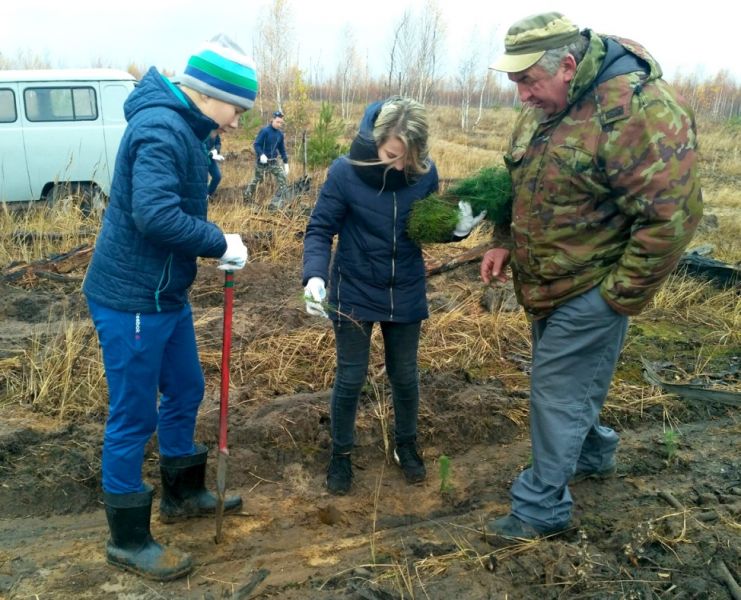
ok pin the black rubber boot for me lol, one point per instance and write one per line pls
(184, 494)
(132, 547)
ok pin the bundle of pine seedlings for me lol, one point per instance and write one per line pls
(434, 218)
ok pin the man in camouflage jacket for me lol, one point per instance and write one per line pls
(606, 197)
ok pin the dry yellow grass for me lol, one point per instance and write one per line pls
(31, 234)
(720, 148)
(60, 372)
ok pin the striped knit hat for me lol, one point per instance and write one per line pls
(221, 70)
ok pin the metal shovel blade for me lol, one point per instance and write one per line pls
(220, 492)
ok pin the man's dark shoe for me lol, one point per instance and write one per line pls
(597, 475)
(512, 527)
(339, 474)
(407, 457)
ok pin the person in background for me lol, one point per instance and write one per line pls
(137, 285)
(378, 273)
(603, 160)
(215, 157)
(268, 145)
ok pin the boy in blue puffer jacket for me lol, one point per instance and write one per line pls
(378, 273)
(269, 144)
(137, 285)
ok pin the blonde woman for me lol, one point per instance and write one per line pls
(377, 275)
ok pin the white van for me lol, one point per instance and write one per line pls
(59, 132)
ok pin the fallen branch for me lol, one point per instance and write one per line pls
(51, 276)
(670, 499)
(436, 267)
(248, 588)
(60, 264)
(715, 271)
(26, 237)
(727, 578)
(690, 390)
(691, 263)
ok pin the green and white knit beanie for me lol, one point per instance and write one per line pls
(220, 69)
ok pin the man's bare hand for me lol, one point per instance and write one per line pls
(493, 265)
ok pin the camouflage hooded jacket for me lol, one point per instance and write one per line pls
(605, 192)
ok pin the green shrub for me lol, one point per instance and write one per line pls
(734, 122)
(324, 146)
(250, 122)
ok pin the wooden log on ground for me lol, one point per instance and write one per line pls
(60, 264)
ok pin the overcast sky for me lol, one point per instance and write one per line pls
(165, 32)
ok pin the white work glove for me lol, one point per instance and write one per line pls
(263, 159)
(314, 295)
(285, 168)
(216, 156)
(235, 256)
(466, 220)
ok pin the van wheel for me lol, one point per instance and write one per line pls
(88, 198)
(94, 201)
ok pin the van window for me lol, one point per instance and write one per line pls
(61, 104)
(7, 106)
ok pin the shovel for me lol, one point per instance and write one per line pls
(226, 348)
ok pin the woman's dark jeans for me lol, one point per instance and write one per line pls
(400, 343)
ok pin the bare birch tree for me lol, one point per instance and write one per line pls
(399, 55)
(415, 50)
(492, 46)
(429, 41)
(467, 79)
(348, 71)
(274, 51)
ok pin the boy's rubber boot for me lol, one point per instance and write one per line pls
(184, 494)
(131, 546)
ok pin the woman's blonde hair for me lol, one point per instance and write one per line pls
(405, 119)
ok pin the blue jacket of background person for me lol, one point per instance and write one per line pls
(270, 142)
(213, 143)
(377, 273)
(155, 225)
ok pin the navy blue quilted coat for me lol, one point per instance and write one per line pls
(377, 273)
(155, 225)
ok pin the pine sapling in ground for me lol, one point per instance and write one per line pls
(445, 485)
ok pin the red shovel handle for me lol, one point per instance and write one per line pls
(226, 349)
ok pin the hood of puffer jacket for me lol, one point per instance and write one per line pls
(608, 57)
(363, 149)
(368, 122)
(154, 90)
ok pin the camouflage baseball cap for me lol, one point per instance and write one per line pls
(528, 39)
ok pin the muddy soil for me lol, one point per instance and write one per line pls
(666, 526)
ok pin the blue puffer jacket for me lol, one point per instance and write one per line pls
(377, 272)
(155, 225)
(270, 142)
